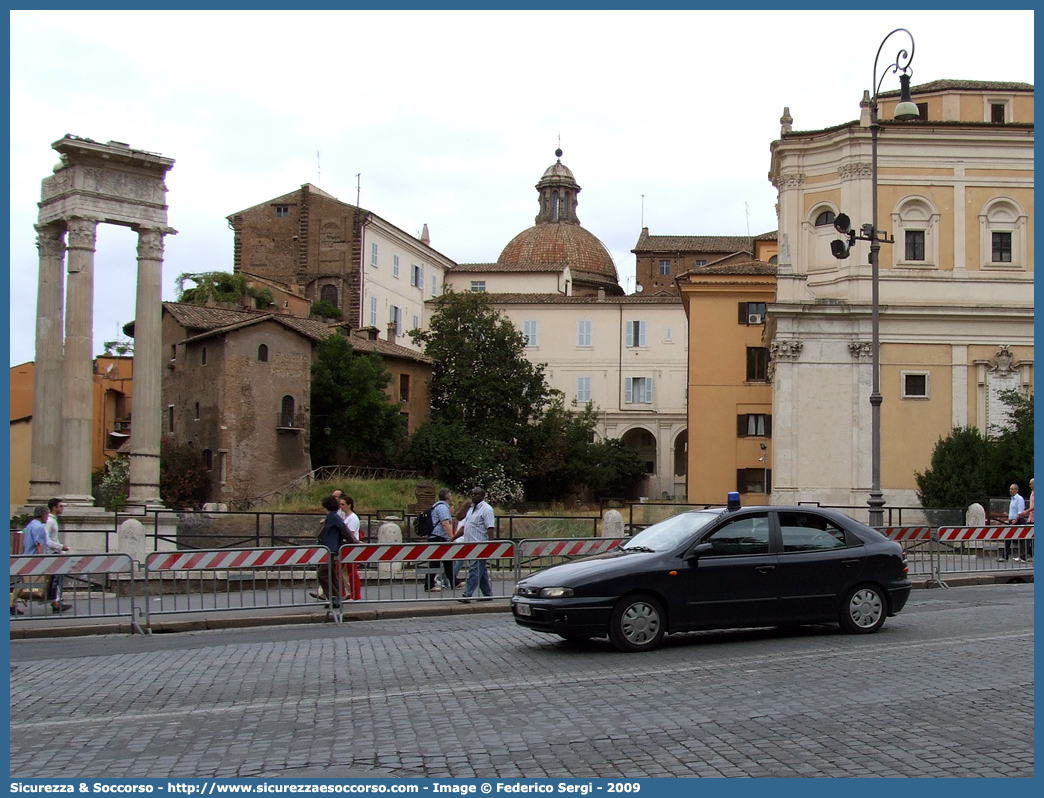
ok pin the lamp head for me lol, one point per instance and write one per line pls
(842, 223)
(907, 108)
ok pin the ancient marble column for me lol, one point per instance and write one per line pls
(45, 470)
(77, 365)
(148, 365)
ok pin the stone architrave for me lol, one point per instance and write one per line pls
(95, 184)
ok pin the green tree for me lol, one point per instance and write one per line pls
(219, 286)
(481, 378)
(348, 398)
(183, 475)
(324, 310)
(967, 466)
(1011, 449)
(959, 470)
(183, 478)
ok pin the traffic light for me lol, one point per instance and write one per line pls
(841, 248)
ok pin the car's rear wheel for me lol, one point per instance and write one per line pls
(638, 623)
(864, 609)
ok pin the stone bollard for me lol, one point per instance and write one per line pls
(389, 532)
(612, 524)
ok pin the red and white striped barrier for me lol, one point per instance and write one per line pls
(963, 533)
(900, 533)
(235, 558)
(60, 564)
(568, 548)
(420, 552)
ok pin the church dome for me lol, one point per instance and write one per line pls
(558, 238)
(557, 242)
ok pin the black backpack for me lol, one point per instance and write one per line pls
(422, 524)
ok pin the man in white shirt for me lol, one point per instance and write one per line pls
(478, 527)
(1015, 508)
(55, 507)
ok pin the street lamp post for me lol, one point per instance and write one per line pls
(904, 111)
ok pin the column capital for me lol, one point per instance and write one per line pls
(82, 233)
(150, 244)
(50, 240)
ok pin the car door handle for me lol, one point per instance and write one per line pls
(850, 563)
(764, 569)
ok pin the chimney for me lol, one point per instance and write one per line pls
(391, 332)
(424, 237)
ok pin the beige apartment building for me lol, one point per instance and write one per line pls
(312, 245)
(956, 287)
(558, 285)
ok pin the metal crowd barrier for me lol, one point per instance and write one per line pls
(952, 550)
(551, 551)
(91, 586)
(233, 579)
(398, 571)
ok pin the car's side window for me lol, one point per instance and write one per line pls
(809, 532)
(747, 535)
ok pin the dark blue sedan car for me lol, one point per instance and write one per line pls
(722, 568)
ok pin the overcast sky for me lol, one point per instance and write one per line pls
(450, 117)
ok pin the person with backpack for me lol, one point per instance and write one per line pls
(441, 532)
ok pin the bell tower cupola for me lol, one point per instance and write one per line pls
(558, 189)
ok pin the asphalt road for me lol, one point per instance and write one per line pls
(945, 689)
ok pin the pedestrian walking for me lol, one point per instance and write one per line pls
(1015, 509)
(334, 535)
(55, 582)
(478, 526)
(350, 572)
(1027, 514)
(441, 532)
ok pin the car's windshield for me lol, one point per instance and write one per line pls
(670, 534)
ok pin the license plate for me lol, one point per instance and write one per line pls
(524, 609)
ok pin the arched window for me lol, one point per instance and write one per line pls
(328, 293)
(286, 413)
(554, 206)
(262, 353)
(1002, 235)
(915, 222)
(825, 218)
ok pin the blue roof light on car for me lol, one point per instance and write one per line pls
(734, 500)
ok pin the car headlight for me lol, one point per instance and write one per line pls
(556, 592)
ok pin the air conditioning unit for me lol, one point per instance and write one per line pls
(755, 318)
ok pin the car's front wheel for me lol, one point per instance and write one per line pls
(863, 610)
(638, 623)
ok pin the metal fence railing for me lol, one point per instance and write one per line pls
(84, 585)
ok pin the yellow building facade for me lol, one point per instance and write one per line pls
(729, 388)
(956, 287)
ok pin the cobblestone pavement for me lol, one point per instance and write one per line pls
(945, 689)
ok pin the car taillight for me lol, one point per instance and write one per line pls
(906, 568)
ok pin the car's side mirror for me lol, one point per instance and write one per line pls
(700, 549)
